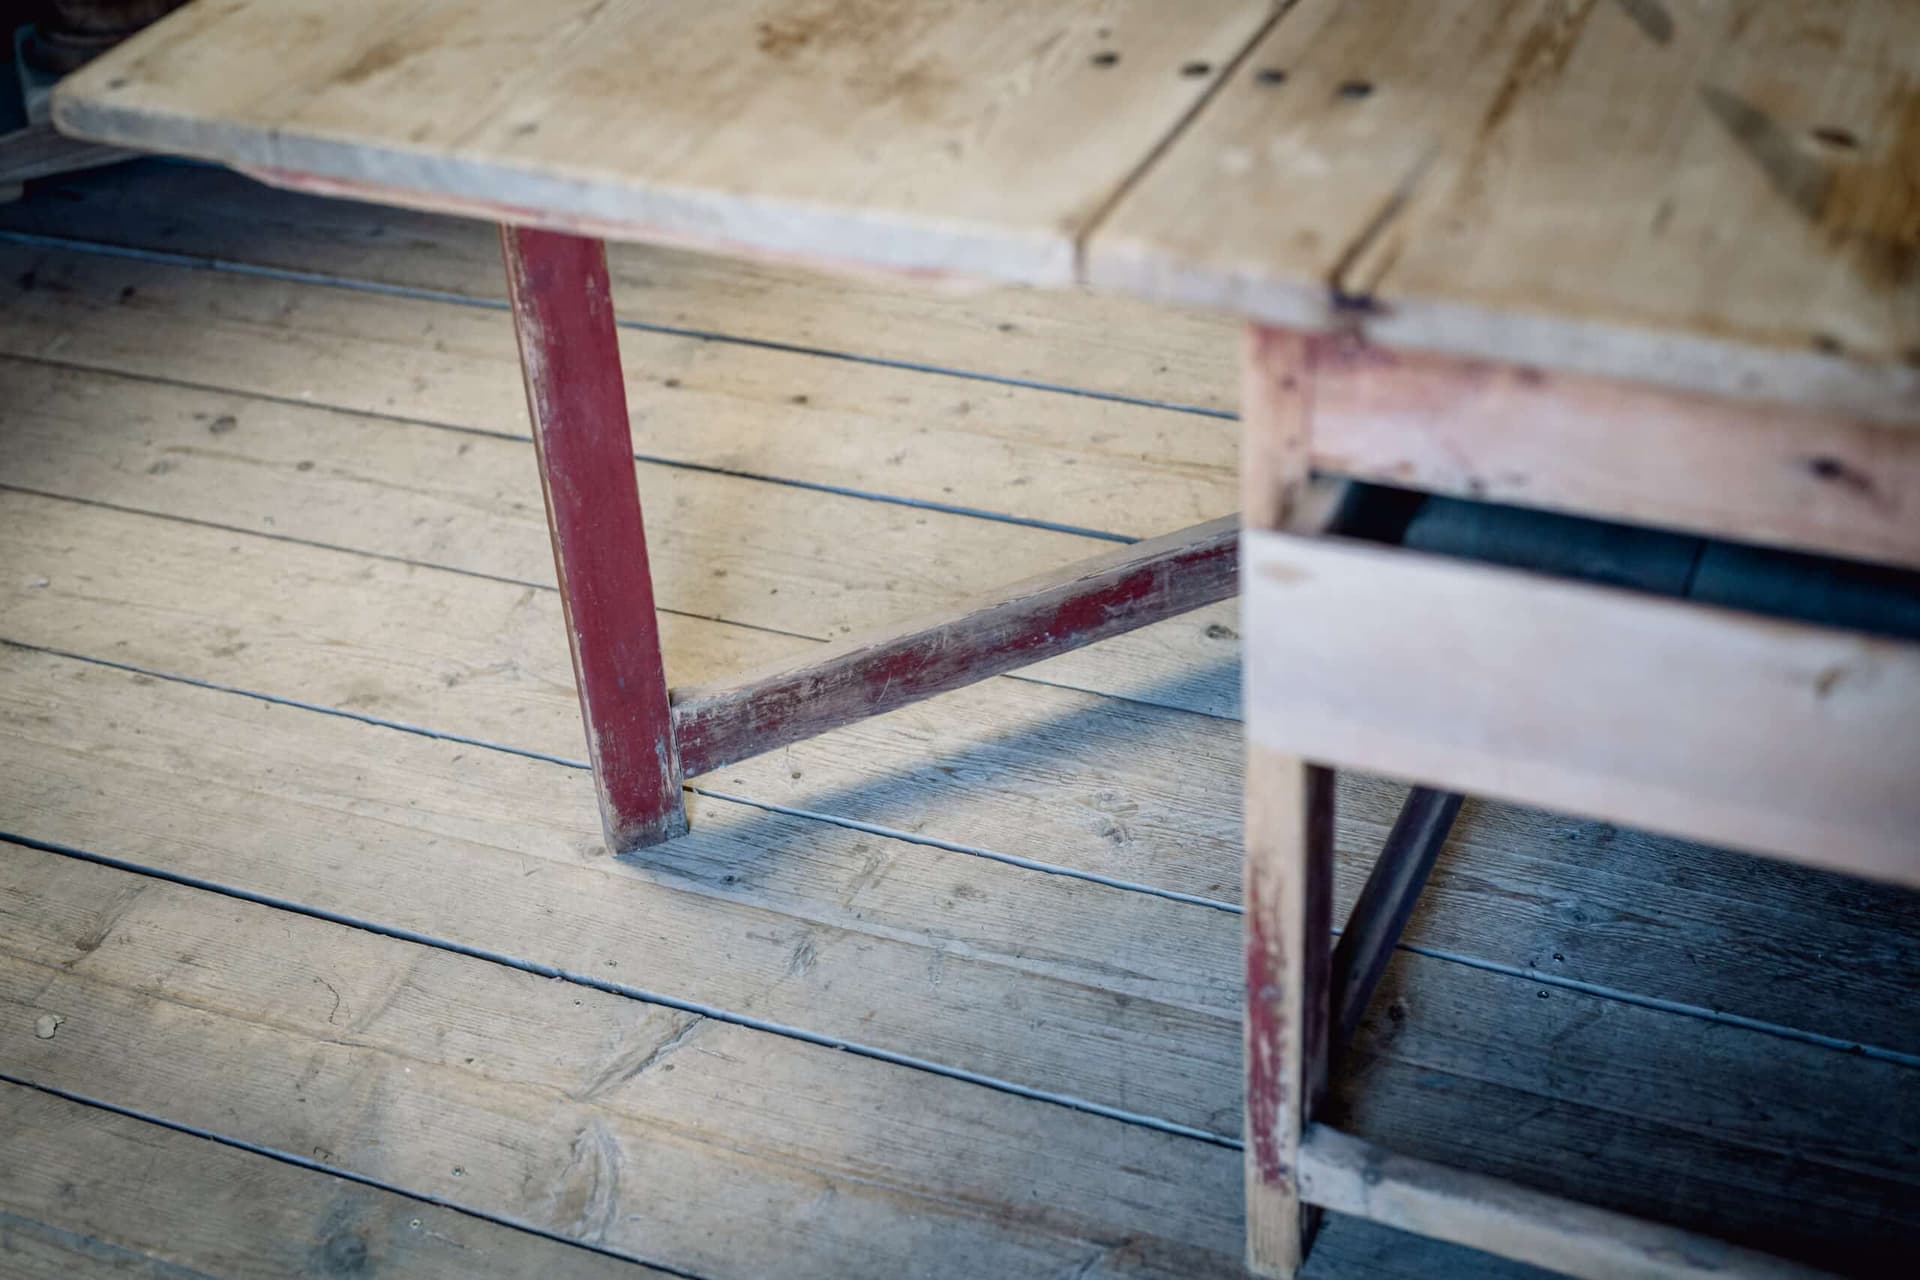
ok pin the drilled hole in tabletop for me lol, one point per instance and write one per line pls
(1355, 88)
(1105, 58)
(1193, 70)
(1270, 75)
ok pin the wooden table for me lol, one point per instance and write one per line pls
(1632, 260)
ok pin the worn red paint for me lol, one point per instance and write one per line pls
(1280, 1101)
(1266, 1049)
(1025, 623)
(576, 396)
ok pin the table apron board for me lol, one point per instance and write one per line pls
(1778, 475)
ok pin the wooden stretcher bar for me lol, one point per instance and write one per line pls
(1026, 622)
(1385, 904)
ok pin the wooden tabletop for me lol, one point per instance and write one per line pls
(969, 137)
(1721, 196)
(1715, 194)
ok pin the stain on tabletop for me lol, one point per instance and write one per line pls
(1862, 195)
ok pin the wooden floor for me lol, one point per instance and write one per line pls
(311, 961)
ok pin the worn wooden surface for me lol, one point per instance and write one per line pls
(1074, 460)
(1780, 737)
(1005, 629)
(858, 954)
(760, 554)
(1714, 197)
(927, 942)
(84, 1191)
(574, 1110)
(930, 138)
(1759, 473)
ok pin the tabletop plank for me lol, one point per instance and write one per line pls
(1718, 196)
(966, 137)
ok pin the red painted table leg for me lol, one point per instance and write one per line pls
(570, 358)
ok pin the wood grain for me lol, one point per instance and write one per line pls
(1724, 207)
(84, 1191)
(374, 824)
(762, 554)
(974, 139)
(1782, 738)
(876, 941)
(653, 1133)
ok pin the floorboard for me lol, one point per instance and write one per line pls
(89, 1191)
(646, 1132)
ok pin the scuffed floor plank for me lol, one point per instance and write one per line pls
(85, 1191)
(646, 1132)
